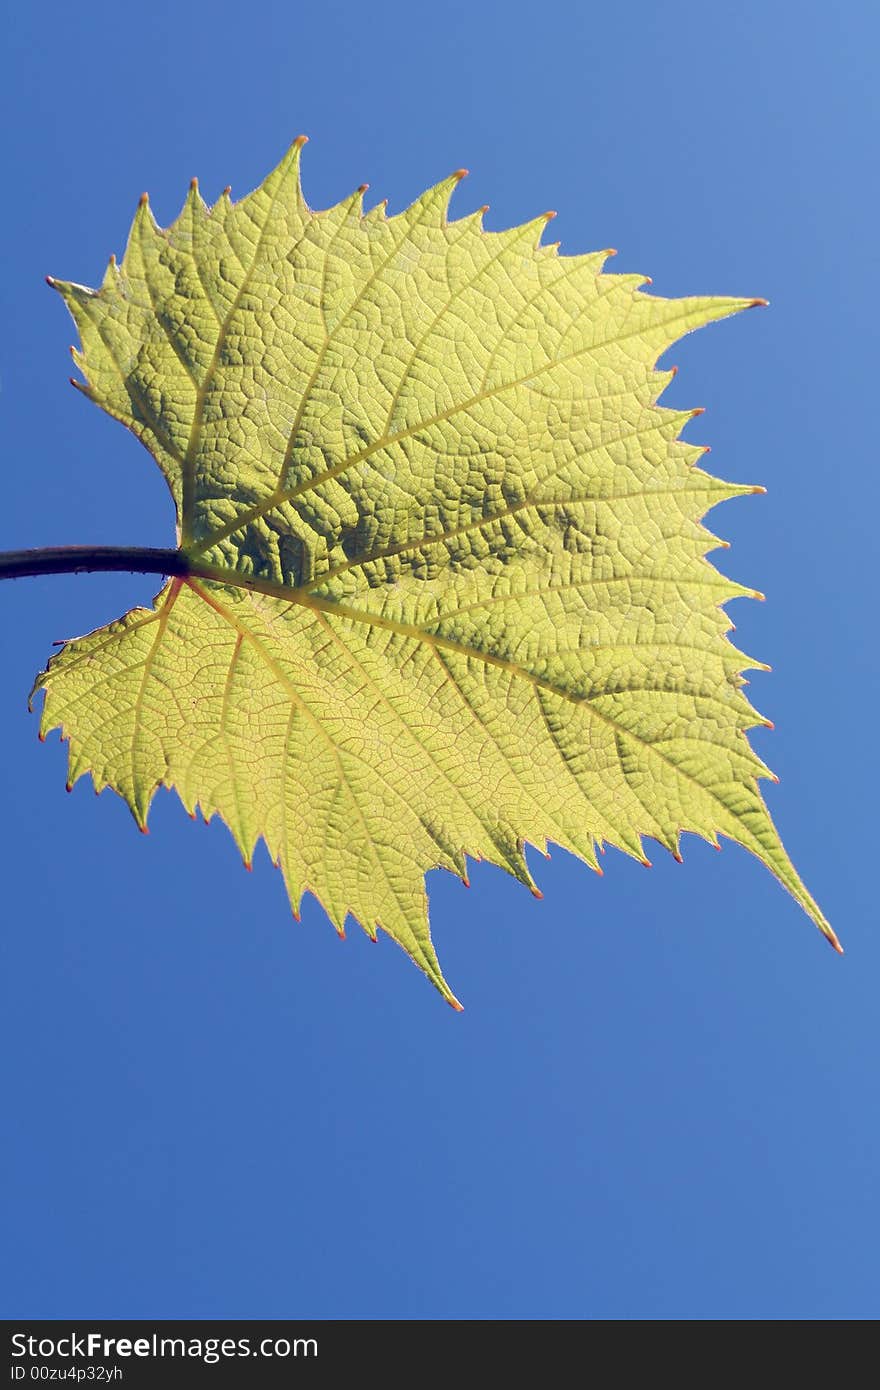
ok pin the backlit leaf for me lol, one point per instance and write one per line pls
(448, 591)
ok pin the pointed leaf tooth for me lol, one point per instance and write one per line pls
(144, 226)
(111, 276)
(77, 765)
(277, 207)
(669, 320)
(431, 208)
(195, 210)
(423, 955)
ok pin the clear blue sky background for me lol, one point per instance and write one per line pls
(661, 1099)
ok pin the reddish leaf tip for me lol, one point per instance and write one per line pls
(144, 829)
(248, 865)
(756, 593)
(768, 723)
(549, 216)
(227, 190)
(673, 371)
(699, 410)
(758, 303)
(758, 490)
(51, 281)
(460, 174)
(41, 736)
(143, 200)
(300, 141)
(677, 856)
(536, 893)
(362, 187)
(194, 184)
(466, 883)
(68, 786)
(646, 863)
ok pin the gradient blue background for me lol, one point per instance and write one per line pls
(661, 1099)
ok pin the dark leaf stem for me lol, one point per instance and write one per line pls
(81, 559)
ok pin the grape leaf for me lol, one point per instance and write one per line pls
(447, 591)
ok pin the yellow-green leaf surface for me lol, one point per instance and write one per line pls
(448, 589)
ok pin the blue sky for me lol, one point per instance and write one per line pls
(660, 1101)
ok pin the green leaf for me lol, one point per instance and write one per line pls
(448, 588)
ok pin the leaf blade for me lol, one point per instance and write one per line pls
(449, 591)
